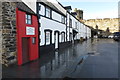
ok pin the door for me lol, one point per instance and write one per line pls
(25, 50)
(56, 40)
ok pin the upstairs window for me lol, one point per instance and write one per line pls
(48, 12)
(76, 25)
(62, 19)
(28, 19)
(70, 23)
(39, 7)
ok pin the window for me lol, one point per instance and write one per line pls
(70, 23)
(76, 25)
(48, 12)
(28, 19)
(47, 37)
(62, 19)
(33, 40)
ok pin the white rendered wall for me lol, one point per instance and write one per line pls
(56, 16)
(52, 25)
(68, 17)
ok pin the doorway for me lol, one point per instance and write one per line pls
(56, 40)
(25, 50)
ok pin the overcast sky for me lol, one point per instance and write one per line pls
(94, 8)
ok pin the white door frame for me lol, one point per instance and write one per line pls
(56, 40)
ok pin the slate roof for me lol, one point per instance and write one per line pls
(68, 7)
(24, 7)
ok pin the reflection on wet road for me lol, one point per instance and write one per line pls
(62, 60)
(55, 64)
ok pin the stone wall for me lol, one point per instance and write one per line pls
(0, 32)
(8, 32)
(103, 24)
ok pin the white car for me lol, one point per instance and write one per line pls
(110, 36)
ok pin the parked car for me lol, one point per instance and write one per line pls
(111, 36)
(116, 36)
(104, 36)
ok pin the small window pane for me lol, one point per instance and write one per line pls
(48, 12)
(28, 19)
(48, 37)
(33, 40)
(26, 16)
(29, 16)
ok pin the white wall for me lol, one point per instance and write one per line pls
(83, 30)
(68, 19)
(56, 16)
(52, 25)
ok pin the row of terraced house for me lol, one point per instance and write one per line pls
(30, 29)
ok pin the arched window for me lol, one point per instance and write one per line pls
(48, 37)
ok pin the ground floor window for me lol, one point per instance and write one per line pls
(48, 37)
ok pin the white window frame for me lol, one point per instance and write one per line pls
(62, 19)
(47, 37)
(28, 18)
(48, 12)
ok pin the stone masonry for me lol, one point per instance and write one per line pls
(103, 24)
(0, 33)
(8, 32)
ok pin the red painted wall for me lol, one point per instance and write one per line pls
(21, 32)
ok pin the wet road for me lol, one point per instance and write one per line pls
(72, 62)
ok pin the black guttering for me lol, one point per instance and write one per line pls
(39, 31)
(68, 7)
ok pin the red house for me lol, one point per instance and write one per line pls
(27, 34)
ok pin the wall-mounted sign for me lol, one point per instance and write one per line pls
(30, 31)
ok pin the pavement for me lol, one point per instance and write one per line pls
(72, 62)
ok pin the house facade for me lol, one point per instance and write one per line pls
(29, 30)
(58, 27)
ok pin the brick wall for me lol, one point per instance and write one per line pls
(8, 32)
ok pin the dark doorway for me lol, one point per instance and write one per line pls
(25, 50)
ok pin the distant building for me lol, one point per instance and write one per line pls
(79, 13)
(104, 24)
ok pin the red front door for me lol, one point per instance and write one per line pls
(25, 50)
(27, 37)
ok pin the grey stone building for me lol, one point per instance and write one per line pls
(8, 31)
